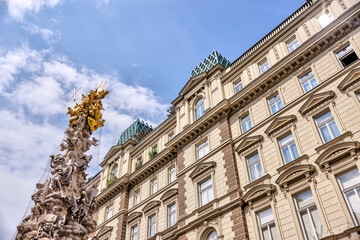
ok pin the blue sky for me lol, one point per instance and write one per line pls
(146, 49)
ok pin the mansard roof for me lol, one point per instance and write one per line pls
(209, 62)
(135, 131)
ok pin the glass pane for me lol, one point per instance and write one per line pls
(342, 52)
(254, 158)
(210, 194)
(307, 225)
(294, 151)
(253, 173)
(273, 108)
(320, 231)
(273, 232)
(323, 118)
(334, 129)
(265, 216)
(306, 87)
(354, 204)
(205, 184)
(286, 140)
(313, 82)
(212, 236)
(304, 199)
(259, 170)
(279, 104)
(204, 199)
(349, 179)
(286, 153)
(325, 133)
(265, 233)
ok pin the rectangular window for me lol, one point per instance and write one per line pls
(202, 149)
(153, 186)
(288, 148)
(347, 56)
(292, 44)
(152, 226)
(172, 174)
(134, 233)
(238, 86)
(267, 225)
(255, 168)
(327, 127)
(264, 66)
(136, 198)
(350, 185)
(309, 216)
(246, 123)
(171, 136)
(206, 192)
(109, 212)
(308, 81)
(275, 103)
(358, 95)
(325, 19)
(172, 215)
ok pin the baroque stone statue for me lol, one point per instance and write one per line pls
(62, 206)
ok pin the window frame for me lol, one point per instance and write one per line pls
(137, 196)
(149, 225)
(169, 214)
(132, 232)
(326, 123)
(344, 55)
(205, 148)
(267, 224)
(171, 170)
(247, 123)
(256, 163)
(303, 79)
(206, 188)
(263, 65)
(238, 86)
(287, 145)
(153, 186)
(199, 106)
(277, 99)
(290, 41)
(107, 217)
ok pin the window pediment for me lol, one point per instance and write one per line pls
(351, 78)
(337, 152)
(201, 169)
(168, 194)
(315, 100)
(134, 216)
(279, 123)
(151, 205)
(104, 230)
(294, 173)
(258, 191)
(248, 142)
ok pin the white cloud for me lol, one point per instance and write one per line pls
(47, 34)
(19, 8)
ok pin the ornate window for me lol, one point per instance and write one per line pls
(134, 233)
(151, 226)
(264, 66)
(109, 212)
(202, 149)
(346, 56)
(199, 108)
(206, 192)
(267, 225)
(308, 81)
(275, 103)
(309, 216)
(212, 236)
(255, 168)
(238, 86)
(153, 186)
(288, 148)
(350, 185)
(292, 44)
(245, 123)
(172, 174)
(171, 215)
(325, 19)
(327, 127)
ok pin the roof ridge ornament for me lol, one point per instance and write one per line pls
(214, 58)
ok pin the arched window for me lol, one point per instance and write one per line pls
(212, 236)
(199, 108)
(114, 172)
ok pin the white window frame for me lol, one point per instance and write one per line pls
(255, 164)
(238, 86)
(306, 79)
(245, 121)
(199, 108)
(202, 149)
(171, 213)
(171, 136)
(172, 174)
(341, 54)
(137, 198)
(288, 145)
(153, 186)
(292, 44)
(264, 66)
(326, 123)
(134, 234)
(267, 225)
(275, 100)
(151, 223)
(109, 212)
(208, 189)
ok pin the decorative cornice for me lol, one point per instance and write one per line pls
(201, 168)
(279, 123)
(294, 173)
(316, 100)
(351, 78)
(259, 191)
(104, 230)
(151, 205)
(168, 194)
(248, 142)
(134, 215)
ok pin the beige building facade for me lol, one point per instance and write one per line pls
(265, 147)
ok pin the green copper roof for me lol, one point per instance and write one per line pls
(135, 131)
(209, 62)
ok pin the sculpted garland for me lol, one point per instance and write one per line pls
(62, 206)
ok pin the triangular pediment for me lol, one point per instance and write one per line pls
(315, 100)
(151, 205)
(134, 215)
(258, 191)
(201, 168)
(337, 152)
(110, 153)
(278, 123)
(104, 230)
(248, 142)
(192, 81)
(169, 193)
(294, 173)
(351, 78)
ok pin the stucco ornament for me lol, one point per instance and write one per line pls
(62, 206)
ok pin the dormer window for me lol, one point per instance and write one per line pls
(199, 108)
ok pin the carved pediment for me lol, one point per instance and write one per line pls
(315, 100)
(248, 142)
(104, 230)
(337, 152)
(278, 123)
(151, 205)
(258, 191)
(294, 173)
(110, 153)
(351, 78)
(134, 216)
(168, 194)
(201, 168)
